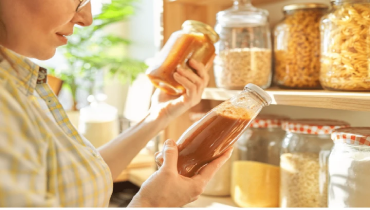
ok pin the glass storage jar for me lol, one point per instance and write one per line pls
(345, 46)
(349, 168)
(256, 170)
(297, 47)
(195, 41)
(244, 50)
(218, 130)
(304, 162)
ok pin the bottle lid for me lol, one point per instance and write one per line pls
(268, 121)
(313, 126)
(305, 6)
(352, 135)
(203, 28)
(260, 92)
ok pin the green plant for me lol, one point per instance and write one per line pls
(91, 50)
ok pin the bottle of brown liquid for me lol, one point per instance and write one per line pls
(195, 41)
(218, 130)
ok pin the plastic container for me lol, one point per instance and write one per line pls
(349, 168)
(99, 121)
(195, 41)
(244, 50)
(297, 47)
(216, 132)
(304, 162)
(256, 172)
(345, 46)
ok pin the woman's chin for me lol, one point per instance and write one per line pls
(44, 54)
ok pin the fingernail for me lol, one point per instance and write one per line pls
(169, 143)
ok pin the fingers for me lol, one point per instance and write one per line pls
(192, 77)
(170, 156)
(211, 168)
(202, 71)
(210, 63)
(191, 88)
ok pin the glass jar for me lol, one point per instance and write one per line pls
(349, 168)
(218, 130)
(345, 46)
(256, 172)
(195, 41)
(297, 47)
(304, 162)
(244, 49)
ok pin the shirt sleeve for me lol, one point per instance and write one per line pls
(23, 171)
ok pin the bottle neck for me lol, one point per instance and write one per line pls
(242, 3)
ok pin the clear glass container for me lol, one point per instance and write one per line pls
(349, 168)
(244, 50)
(345, 46)
(297, 47)
(218, 130)
(98, 122)
(195, 41)
(256, 171)
(304, 162)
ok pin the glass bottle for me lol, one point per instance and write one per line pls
(349, 168)
(345, 46)
(218, 130)
(244, 49)
(304, 162)
(297, 46)
(256, 172)
(195, 41)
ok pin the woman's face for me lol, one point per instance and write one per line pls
(35, 28)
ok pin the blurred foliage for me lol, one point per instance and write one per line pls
(91, 50)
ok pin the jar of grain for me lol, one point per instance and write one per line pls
(297, 47)
(345, 47)
(244, 49)
(349, 168)
(195, 41)
(256, 173)
(304, 162)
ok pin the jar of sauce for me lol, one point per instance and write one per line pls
(218, 130)
(195, 41)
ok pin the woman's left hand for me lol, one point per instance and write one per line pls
(172, 107)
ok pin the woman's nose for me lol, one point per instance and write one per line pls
(84, 16)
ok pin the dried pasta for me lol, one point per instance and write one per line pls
(236, 68)
(297, 50)
(346, 48)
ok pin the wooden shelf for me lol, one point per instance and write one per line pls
(221, 2)
(212, 202)
(355, 101)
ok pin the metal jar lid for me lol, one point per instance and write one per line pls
(203, 28)
(291, 7)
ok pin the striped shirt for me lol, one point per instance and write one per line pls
(44, 161)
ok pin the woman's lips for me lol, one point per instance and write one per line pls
(62, 38)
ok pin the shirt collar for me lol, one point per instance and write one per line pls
(27, 74)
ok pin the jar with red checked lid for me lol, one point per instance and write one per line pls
(304, 162)
(255, 173)
(349, 168)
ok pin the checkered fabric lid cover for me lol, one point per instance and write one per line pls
(352, 135)
(313, 126)
(268, 121)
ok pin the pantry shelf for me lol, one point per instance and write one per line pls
(220, 2)
(355, 101)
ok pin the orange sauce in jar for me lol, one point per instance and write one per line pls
(195, 41)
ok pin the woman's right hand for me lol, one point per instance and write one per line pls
(166, 188)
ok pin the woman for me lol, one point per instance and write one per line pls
(43, 160)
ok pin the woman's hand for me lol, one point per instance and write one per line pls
(172, 107)
(166, 188)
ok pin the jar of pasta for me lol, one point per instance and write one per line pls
(255, 173)
(195, 41)
(244, 49)
(297, 47)
(345, 47)
(304, 162)
(349, 168)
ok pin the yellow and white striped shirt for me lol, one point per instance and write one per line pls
(44, 161)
